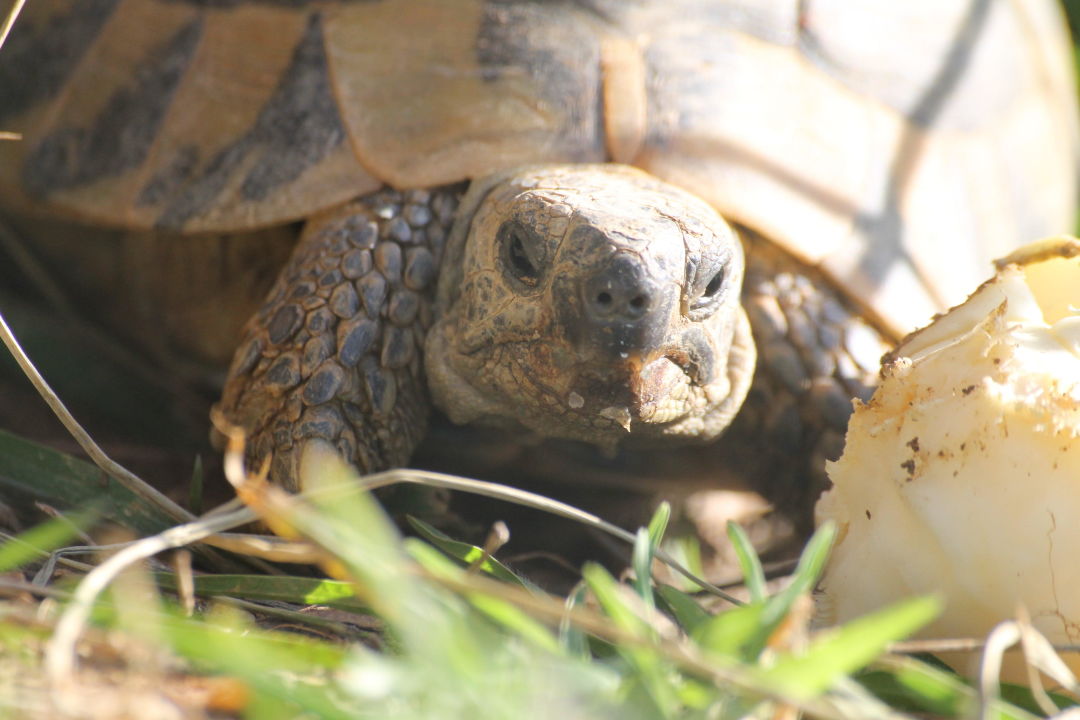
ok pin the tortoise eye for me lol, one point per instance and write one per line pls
(516, 256)
(708, 284)
(715, 284)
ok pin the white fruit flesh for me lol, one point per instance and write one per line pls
(962, 473)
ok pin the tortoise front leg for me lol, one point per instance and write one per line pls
(816, 351)
(335, 352)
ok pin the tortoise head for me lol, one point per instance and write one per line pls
(590, 302)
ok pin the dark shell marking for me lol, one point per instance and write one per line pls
(299, 125)
(38, 60)
(121, 135)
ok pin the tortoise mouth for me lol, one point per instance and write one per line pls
(662, 390)
(654, 390)
(684, 391)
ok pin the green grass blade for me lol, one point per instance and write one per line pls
(574, 641)
(841, 651)
(509, 616)
(753, 573)
(42, 539)
(606, 590)
(651, 677)
(466, 552)
(1022, 697)
(684, 608)
(641, 561)
(686, 550)
(745, 634)
(909, 684)
(646, 541)
(736, 633)
(35, 472)
(807, 573)
(658, 523)
(283, 588)
(290, 670)
(910, 691)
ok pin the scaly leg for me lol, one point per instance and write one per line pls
(815, 353)
(335, 351)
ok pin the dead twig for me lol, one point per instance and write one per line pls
(9, 22)
(237, 476)
(60, 651)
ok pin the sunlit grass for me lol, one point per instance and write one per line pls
(415, 630)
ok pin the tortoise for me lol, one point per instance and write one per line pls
(537, 216)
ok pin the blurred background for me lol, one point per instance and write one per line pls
(1072, 11)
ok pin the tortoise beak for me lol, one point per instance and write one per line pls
(650, 388)
(659, 390)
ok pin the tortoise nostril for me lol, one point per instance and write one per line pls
(619, 291)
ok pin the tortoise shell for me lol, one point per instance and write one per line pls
(897, 146)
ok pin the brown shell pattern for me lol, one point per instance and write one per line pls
(897, 146)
